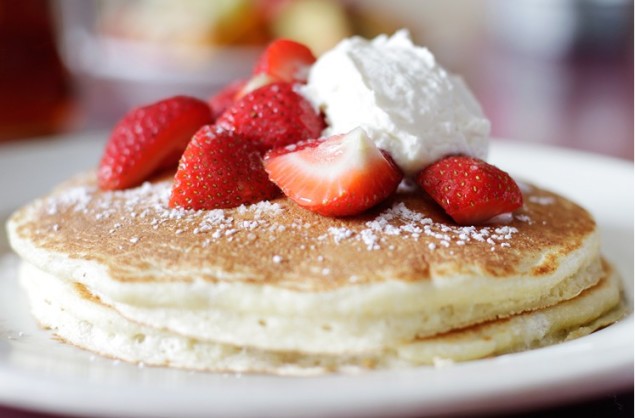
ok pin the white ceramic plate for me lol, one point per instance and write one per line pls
(39, 373)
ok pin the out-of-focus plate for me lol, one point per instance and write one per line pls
(40, 373)
(87, 48)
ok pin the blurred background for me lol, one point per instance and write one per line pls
(550, 71)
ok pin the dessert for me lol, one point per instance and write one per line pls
(284, 245)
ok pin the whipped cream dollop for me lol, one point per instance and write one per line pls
(407, 104)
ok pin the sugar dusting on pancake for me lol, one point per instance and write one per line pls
(408, 238)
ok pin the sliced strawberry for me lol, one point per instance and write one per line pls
(150, 138)
(220, 169)
(339, 176)
(255, 82)
(222, 100)
(273, 116)
(285, 60)
(469, 189)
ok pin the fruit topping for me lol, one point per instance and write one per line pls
(273, 116)
(285, 60)
(148, 139)
(222, 165)
(254, 83)
(469, 189)
(222, 100)
(282, 61)
(220, 169)
(337, 176)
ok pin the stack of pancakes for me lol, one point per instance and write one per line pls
(274, 288)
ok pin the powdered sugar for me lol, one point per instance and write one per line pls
(148, 204)
(340, 234)
(399, 220)
(523, 218)
(542, 200)
(75, 197)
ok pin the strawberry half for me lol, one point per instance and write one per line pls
(285, 60)
(339, 176)
(220, 169)
(470, 190)
(226, 97)
(273, 116)
(150, 138)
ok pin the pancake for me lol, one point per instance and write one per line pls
(79, 318)
(293, 289)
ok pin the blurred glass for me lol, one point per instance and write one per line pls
(35, 91)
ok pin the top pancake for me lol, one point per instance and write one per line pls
(408, 238)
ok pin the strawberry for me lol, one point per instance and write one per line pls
(150, 138)
(470, 190)
(282, 61)
(224, 98)
(273, 116)
(255, 82)
(220, 169)
(285, 60)
(337, 176)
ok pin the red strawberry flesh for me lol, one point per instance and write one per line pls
(273, 116)
(470, 190)
(224, 98)
(148, 139)
(285, 60)
(220, 169)
(339, 176)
